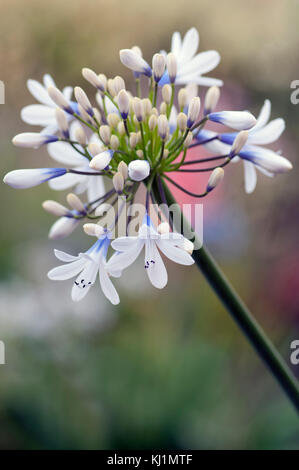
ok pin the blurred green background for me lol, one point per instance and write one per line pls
(165, 369)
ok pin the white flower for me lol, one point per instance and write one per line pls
(129, 248)
(86, 266)
(63, 153)
(23, 179)
(191, 66)
(255, 157)
(43, 114)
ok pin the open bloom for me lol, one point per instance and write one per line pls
(86, 266)
(129, 248)
(191, 66)
(43, 114)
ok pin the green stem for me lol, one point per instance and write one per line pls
(240, 313)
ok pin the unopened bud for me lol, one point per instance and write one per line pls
(154, 112)
(103, 82)
(94, 230)
(105, 134)
(114, 142)
(133, 140)
(163, 126)
(139, 170)
(239, 143)
(171, 67)
(118, 182)
(215, 178)
(123, 169)
(80, 135)
(163, 108)
(158, 66)
(97, 115)
(166, 93)
(94, 148)
(92, 78)
(138, 109)
(55, 208)
(121, 128)
(193, 111)
(182, 121)
(75, 202)
(82, 99)
(113, 119)
(140, 153)
(59, 99)
(102, 160)
(163, 228)
(152, 122)
(147, 106)
(123, 100)
(62, 122)
(182, 98)
(211, 99)
(119, 84)
(111, 88)
(188, 140)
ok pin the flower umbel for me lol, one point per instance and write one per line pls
(132, 139)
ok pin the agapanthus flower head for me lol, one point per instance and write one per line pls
(132, 139)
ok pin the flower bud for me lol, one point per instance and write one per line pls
(182, 98)
(215, 178)
(59, 99)
(92, 78)
(105, 134)
(147, 106)
(193, 111)
(239, 143)
(83, 100)
(94, 230)
(163, 126)
(84, 115)
(138, 109)
(63, 227)
(133, 140)
(80, 135)
(123, 169)
(62, 122)
(166, 93)
(154, 112)
(119, 84)
(33, 139)
(123, 100)
(135, 62)
(188, 140)
(118, 182)
(95, 148)
(211, 99)
(55, 208)
(182, 121)
(139, 170)
(158, 66)
(110, 85)
(171, 67)
(121, 128)
(97, 115)
(102, 160)
(113, 119)
(103, 82)
(152, 122)
(114, 142)
(140, 153)
(75, 202)
(239, 120)
(163, 108)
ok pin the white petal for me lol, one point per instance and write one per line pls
(176, 43)
(124, 243)
(48, 81)
(95, 187)
(249, 177)
(154, 265)
(201, 63)
(198, 80)
(64, 182)
(125, 259)
(84, 281)
(268, 134)
(67, 271)
(63, 153)
(64, 257)
(178, 255)
(67, 92)
(39, 92)
(189, 46)
(38, 115)
(267, 159)
(263, 117)
(107, 287)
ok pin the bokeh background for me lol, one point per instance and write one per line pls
(164, 369)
